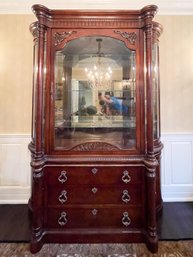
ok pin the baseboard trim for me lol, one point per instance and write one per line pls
(14, 194)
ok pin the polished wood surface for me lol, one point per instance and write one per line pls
(95, 190)
(171, 225)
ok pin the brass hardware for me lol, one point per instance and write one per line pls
(126, 177)
(62, 178)
(63, 197)
(94, 170)
(62, 220)
(126, 221)
(94, 190)
(126, 197)
(94, 212)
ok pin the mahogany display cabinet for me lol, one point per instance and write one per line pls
(95, 144)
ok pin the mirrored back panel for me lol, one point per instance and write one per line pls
(95, 93)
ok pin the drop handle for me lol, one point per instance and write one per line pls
(126, 178)
(126, 221)
(126, 197)
(62, 220)
(63, 197)
(63, 177)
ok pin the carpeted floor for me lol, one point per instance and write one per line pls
(166, 249)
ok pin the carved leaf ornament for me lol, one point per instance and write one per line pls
(60, 37)
(131, 37)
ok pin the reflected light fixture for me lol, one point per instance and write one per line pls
(100, 74)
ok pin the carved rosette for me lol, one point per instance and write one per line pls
(131, 37)
(95, 146)
(60, 37)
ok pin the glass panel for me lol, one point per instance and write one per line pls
(35, 69)
(95, 93)
(155, 81)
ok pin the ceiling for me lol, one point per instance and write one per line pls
(166, 7)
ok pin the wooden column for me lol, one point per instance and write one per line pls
(150, 159)
(36, 147)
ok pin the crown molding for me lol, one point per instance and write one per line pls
(166, 7)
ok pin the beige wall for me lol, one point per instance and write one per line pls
(176, 73)
(16, 45)
(176, 64)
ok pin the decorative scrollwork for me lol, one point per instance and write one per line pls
(95, 146)
(60, 37)
(131, 37)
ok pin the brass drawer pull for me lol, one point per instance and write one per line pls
(62, 220)
(63, 197)
(62, 178)
(126, 177)
(126, 197)
(126, 221)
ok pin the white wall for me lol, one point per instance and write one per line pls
(176, 174)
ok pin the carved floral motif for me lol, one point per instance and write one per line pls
(60, 37)
(131, 37)
(95, 146)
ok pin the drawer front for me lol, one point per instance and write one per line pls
(95, 218)
(74, 175)
(83, 194)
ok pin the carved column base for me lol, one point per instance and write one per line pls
(36, 240)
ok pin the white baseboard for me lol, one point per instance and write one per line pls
(177, 193)
(176, 168)
(14, 195)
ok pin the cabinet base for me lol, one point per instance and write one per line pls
(82, 236)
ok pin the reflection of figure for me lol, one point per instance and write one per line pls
(112, 105)
(104, 104)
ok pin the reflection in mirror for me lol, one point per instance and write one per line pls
(95, 93)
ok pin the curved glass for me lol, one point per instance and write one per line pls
(35, 69)
(155, 83)
(95, 93)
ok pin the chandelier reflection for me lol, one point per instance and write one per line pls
(100, 74)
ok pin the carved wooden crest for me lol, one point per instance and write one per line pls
(95, 146)
(131, 37)
(60, 37)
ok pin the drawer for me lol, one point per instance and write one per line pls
(74, 175)
(94, 218)
(92, 194)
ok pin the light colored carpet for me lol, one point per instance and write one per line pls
(166, 249)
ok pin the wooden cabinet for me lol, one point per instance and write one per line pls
(95, 127)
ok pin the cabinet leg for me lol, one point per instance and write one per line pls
(152, 244)
(35, 246)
